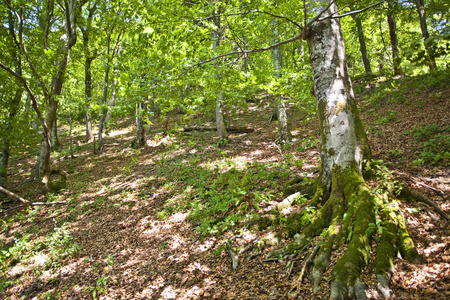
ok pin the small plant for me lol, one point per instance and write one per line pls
(100, 287)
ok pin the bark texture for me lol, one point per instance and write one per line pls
(420, 5)
(220, 120)
(346, 208)
(362, 45)
(284, 135)
(396, 59)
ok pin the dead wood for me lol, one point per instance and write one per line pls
(234, 257)
(230, 129)
(25, 202)
(411, 195)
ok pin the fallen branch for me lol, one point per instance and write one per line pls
(230, 130)
(25, 202)
(17, 197)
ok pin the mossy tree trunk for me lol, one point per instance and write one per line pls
(346, 209)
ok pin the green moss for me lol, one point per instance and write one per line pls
(386, 249)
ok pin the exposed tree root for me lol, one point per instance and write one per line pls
(350, 215)
(411, 195)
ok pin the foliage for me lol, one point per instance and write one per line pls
(57, 246)
(434, 143)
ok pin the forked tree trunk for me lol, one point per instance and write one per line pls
(220, 120)
(420, 5)
(396, 59)
(362, 45)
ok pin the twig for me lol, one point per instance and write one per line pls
(234, 257)
(308, 261)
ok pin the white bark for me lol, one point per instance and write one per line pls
(343, 139)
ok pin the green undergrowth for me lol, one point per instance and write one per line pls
(26, 246)
(223, 194)
(432, 143)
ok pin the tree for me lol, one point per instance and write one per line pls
(284, 135)
(69, 10)
(396, 59)
(420, 5)
(13, 107)
(362, 44)
(220, 121)
(89, 56)
(346, 208)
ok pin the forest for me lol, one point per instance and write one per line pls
(207, 149)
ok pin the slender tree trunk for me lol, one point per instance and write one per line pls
(284, 135)
(362, 44)
(70, 135)
(88, 94)
(420, 4)
(112, 100)
(55, 140)
(396, 59)
(140, 129)
(14, 107)
(5, 154)
(104, 108)
(220, 120)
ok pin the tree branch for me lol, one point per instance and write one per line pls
(354, 12)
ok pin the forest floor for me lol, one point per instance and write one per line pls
(136, 225)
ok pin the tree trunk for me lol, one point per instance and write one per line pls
(104, 108)
(362, 45)
(396, 59)
(346, 209)
(140, 130)
(112, 100)
(420, 4)
(284, 135)
(88, 94)
(220, 120)
(14, 107)
(5, 154)
(55, 140)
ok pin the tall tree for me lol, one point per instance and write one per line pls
(69, 10)
(420, 5)
(13, 105)
(284, 135)
(220, 120)
(396, 59)
(90, 53)
(362, 44)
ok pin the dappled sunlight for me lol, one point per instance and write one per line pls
(205, 245)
